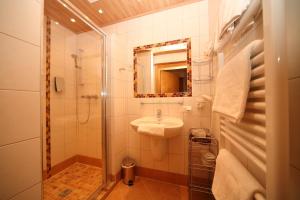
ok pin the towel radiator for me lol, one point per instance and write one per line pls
(247, 139)
(247, 21)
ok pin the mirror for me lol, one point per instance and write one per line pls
(163, 69)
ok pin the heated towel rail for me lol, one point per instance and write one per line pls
(247, 139)
(248, 20)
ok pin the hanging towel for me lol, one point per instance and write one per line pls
(233, 83)
(232, 181)
(153, 129)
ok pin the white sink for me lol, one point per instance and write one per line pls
(159, 130)
(172, 126)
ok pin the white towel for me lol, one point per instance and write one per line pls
(232, 181)
(153, 129)
(233, 83)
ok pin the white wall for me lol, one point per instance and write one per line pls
(20, 135)
(186, 21)
(277, 114)
(293, 44)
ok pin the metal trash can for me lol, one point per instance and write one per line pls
(128, 171)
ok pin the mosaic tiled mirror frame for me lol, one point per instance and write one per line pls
(188, 93)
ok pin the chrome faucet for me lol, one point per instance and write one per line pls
(158, 114)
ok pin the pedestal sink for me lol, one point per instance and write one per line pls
(168, 127)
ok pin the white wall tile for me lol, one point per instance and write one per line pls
(191, 28)
(133, 106)
(174, 25)
(19, 64)
(192, 11)
(57, 145)
(145, 142)
(134, 139)
(160, 33)
(147, 159)
(176, 144)
(176, 110)
(20, 167)
(20, 116)
(176, 163)
(118, 107)
(135, 153)
(21, 19)
(163, 164)
(20, 155)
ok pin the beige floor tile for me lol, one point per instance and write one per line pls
(148, 189)
(77, 182)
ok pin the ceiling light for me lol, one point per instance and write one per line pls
(100, 11)
(72, 20)
(56, 23)
(92, 1)
(64, 5)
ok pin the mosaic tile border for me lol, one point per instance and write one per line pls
(48, 124)
(189, 70)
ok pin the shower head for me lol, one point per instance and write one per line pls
(75, 57)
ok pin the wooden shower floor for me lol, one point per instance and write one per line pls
(77, 182)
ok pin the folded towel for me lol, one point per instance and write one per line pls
(153, 129)
(233, 83)
(232, 181)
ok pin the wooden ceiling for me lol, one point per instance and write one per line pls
(57, 12)
(114, 11)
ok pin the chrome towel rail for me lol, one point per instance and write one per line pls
(179, 102)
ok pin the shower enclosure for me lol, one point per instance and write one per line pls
(74, 133)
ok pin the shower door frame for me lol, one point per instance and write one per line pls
(103, 93)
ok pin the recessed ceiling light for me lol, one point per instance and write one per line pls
(64, 5)
(72, 20)
(56, 23)
(100, 11)
(92, 1)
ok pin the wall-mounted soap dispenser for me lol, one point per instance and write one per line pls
(59, 84)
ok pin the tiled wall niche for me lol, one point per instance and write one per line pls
(189, 21)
